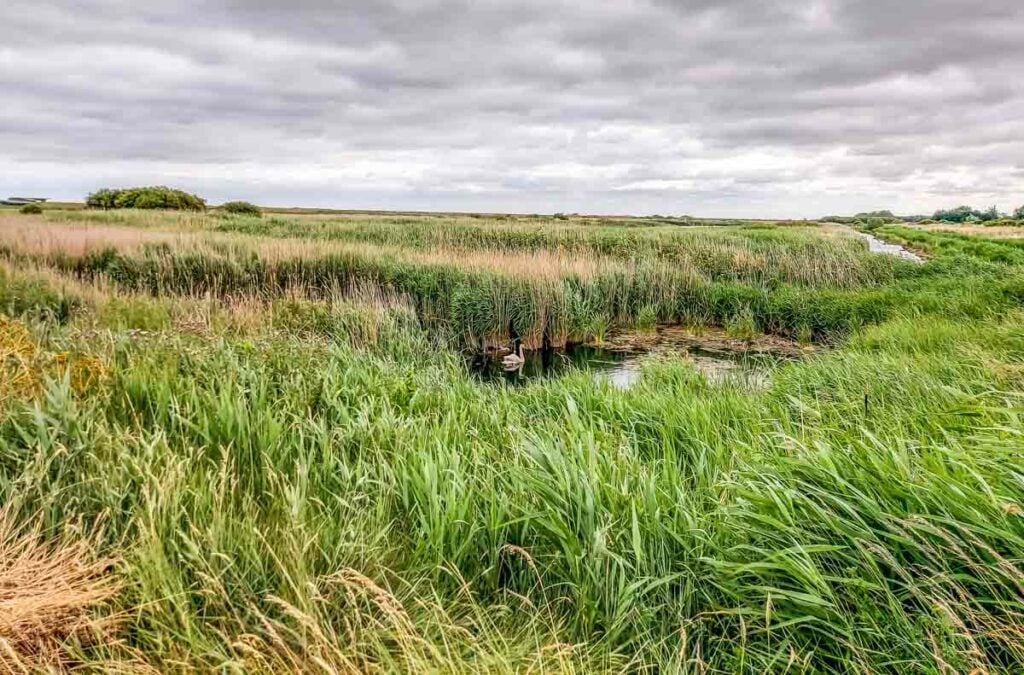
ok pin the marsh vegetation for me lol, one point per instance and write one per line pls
(253, 445)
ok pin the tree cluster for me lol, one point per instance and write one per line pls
(154, 197)
(967, 214)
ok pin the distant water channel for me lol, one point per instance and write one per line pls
(876, 245)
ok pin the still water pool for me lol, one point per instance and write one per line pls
(621, 368)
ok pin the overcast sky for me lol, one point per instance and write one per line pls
(721, 108)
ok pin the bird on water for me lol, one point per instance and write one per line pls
(514, 360)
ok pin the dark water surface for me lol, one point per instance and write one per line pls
(620, 368)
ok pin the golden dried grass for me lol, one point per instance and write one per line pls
(75, 239)
(53, 596)
(995, 232)
(78, 239)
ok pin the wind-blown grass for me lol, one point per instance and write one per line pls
(305, 477)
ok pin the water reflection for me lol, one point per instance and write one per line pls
(619, 368)
(551, 363)
(876, 245)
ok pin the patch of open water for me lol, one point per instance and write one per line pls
(621, 368)
(876, 245)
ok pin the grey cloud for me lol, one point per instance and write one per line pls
(725, 107)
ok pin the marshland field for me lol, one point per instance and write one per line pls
(237, 443)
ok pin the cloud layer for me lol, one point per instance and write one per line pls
(728, 107)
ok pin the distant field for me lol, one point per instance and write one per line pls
(61, 206)
(993, 232)
(259, 445)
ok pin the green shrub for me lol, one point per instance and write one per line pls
(242, 209)
(155, 197)
(31, 209)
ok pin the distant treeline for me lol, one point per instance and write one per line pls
(160, 197)
(960, 214)
(966, 214)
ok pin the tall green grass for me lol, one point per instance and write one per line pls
(311, 481)
(678, 525)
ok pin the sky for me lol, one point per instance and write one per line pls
(727, 108)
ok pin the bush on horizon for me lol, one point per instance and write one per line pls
(152, 197)
(239, 208)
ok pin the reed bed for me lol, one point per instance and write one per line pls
(779, 281)
(815, 256)
(810, 255)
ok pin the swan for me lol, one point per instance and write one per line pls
(514, 360)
